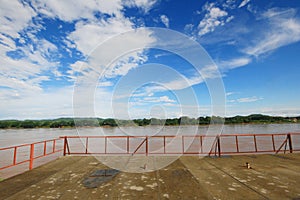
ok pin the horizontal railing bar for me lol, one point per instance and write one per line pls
(161, 136)
(28, 144)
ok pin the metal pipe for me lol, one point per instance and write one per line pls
(31, 158)
(45, 148)
(15, 155)
(237, 143)
(273, 142)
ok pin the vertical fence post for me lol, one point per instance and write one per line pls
(128, 144)
(273, 142)
(147, 145)
(15, 156)
(86, 145)
(219, 146)
(54, 144)
(237, 144)
(290, 142)
(200, 136)
(45, 148)
(105, 145)
(164, 144)
(182, 144)
(255, 144)
(31, 156)
(65, 145)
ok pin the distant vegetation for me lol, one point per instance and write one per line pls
(94, 122)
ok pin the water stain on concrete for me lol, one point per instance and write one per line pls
(99, 177)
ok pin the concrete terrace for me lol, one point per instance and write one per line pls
(190, 177)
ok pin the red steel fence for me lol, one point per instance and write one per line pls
(27, 153)
(150, 145)
(182, 145)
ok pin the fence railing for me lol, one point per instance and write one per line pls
(260, 143)
(226, 144)
(182, 145)
(28, 153)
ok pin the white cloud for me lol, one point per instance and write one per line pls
(21, 79)
(125, 64)
(234, 63)
(106, 64)
(283, 29)
(88, 35)
(52, 104)
(145, 5)
(70, 10)
(281, 110)
(230, 93)
(213, 18)
(14, 17)
(165, 20)
(243, 3)
(24, 74)
(163, 99)
(246, 99)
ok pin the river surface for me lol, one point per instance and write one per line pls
(11, 137)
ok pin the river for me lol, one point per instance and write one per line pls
(11, 137)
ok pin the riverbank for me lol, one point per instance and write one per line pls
(96, 122)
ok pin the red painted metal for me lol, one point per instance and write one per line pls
(218, 148)
(182, 144)
(15, 156)
(146, 145)
(260, 142)
(105, 145)
(273, 142)
(237, 144)
(164, 144)
(86, 144)
(54, 144)
(128, 145)
(31, 152)
(290, 142)
(201, 148)
(31, 156)
(255, 144)
(141, 144)
(65, 146)
(45, 147)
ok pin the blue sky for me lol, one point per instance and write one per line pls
(47, 48)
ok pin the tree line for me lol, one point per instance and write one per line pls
(95, 122)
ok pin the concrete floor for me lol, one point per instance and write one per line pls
(190, 177)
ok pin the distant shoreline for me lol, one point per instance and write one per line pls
(99, 122)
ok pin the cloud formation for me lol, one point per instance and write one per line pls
(165, 20)
(283, 29)
(244, 3)
(214, 17)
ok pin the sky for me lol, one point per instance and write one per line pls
(111, 58)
